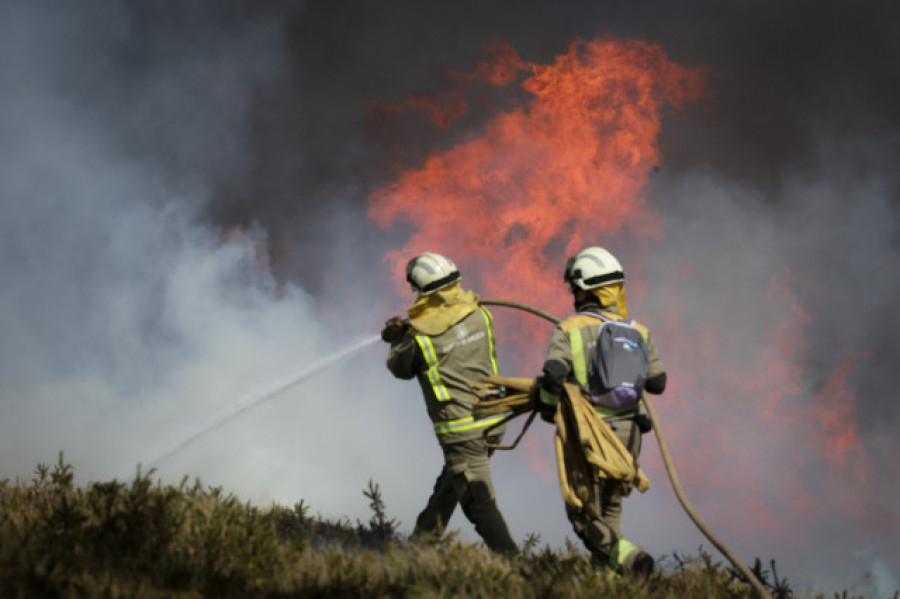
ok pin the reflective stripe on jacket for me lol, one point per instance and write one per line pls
(444, 365)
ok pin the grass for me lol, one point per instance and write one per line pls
(148, 540)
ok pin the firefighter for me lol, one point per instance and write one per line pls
(447, 342)
(597, 283)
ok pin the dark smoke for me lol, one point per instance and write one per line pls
(137, 135)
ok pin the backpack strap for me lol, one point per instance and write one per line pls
(578, 320)
(605, 318)
(631, 322)
(595, 315)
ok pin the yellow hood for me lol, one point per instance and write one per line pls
(436, 312)
(612, 295)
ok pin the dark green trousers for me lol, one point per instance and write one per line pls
(466, 480)
(600, 535)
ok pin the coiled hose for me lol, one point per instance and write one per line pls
(667, 461)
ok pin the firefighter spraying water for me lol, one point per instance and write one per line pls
(447, 342)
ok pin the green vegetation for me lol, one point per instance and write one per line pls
(145, 539)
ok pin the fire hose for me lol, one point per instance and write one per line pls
(521, 403)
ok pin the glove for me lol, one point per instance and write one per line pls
(644, 424)
(547, 412)
(393, 330)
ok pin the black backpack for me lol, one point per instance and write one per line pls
(619, 364)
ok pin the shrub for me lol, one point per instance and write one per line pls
(146, 539)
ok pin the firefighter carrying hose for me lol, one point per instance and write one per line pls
(597, 283)
(447, 342)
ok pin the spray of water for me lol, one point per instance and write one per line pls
(261, 395)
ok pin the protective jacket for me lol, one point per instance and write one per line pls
(569, 355)
(568, 361)
(445, 360)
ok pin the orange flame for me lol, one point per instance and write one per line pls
(782, 457)
(547, 178)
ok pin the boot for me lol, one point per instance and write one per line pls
(642, 566)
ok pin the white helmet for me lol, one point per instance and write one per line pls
(593, 267)
(429, 272)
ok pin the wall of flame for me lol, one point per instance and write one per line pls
(568, 167)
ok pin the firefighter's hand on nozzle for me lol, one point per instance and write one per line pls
(394, 329)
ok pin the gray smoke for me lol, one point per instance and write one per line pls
(182, 221)
(828, 234)
(128, 317)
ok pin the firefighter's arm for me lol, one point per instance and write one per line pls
(557, 366)
(402, 361)
(656, 375)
